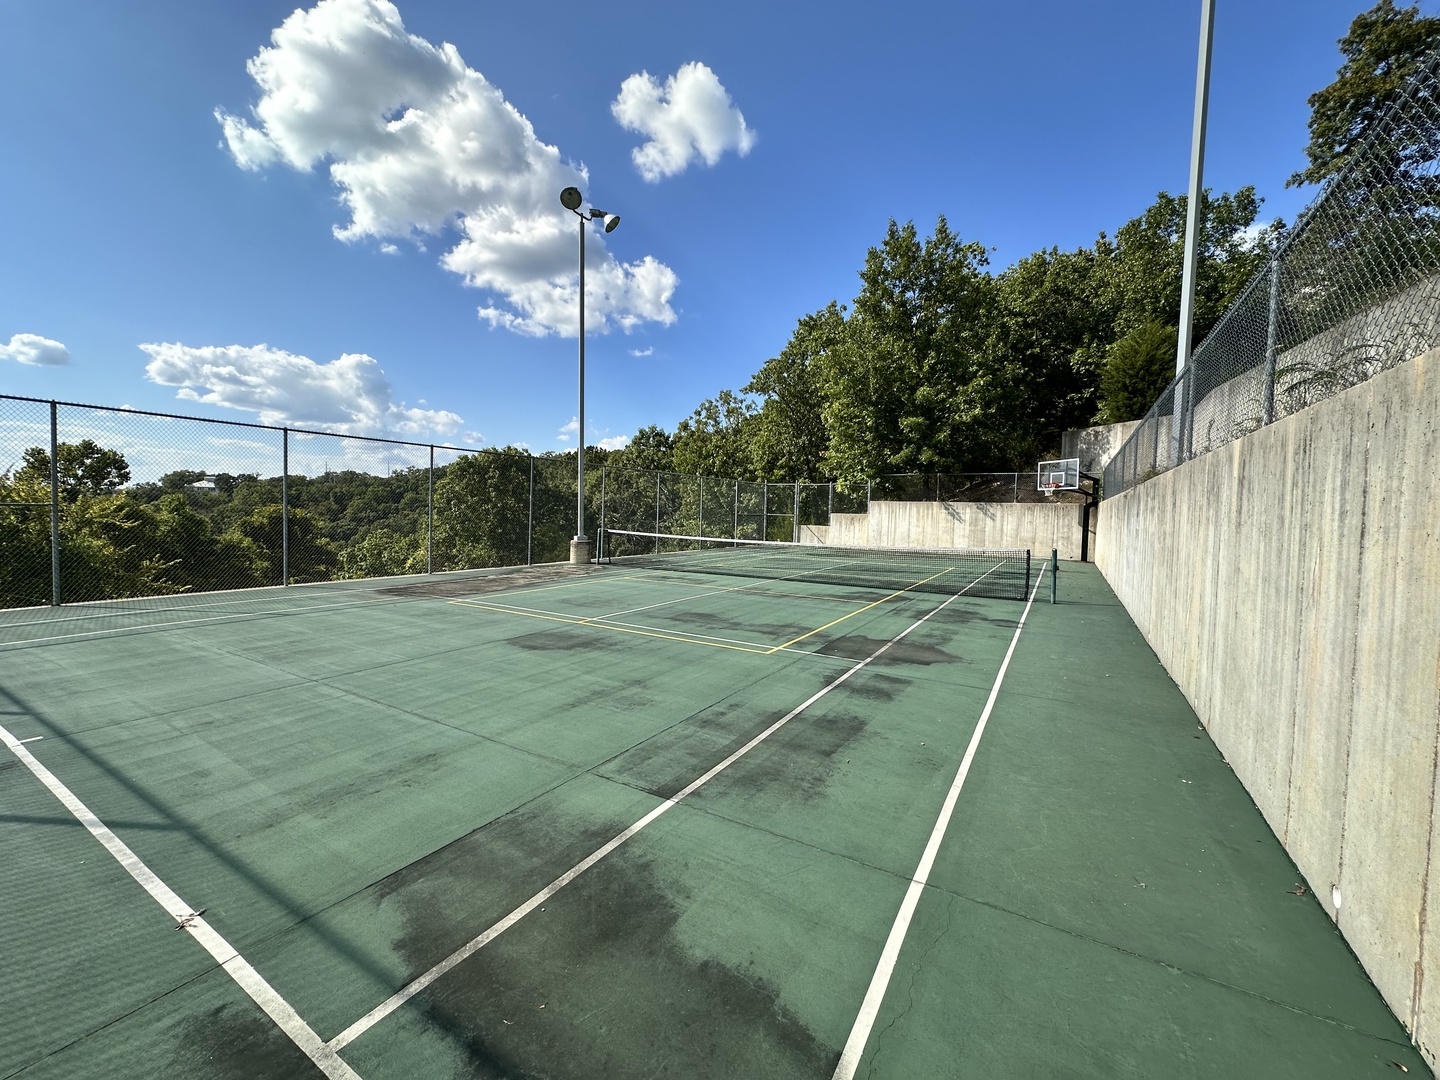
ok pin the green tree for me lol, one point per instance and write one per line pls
(788, 439)
(652, 448)
(84, 468)
(482, 508)
(1383, 49)
(714, 439)
(196, 558)
(1140, 366)
(910, 385)
(311, 556)
(383, 553)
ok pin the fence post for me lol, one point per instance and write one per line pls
(54, 506)
(795, 530)
(1267, 407)
(830, 503)
(530, 516)
(867, 499)
(285, 506)
(657, 511)
(1017, 487)
(600, 536)
(700, 491)
(430, 518)
(764, 510)
(735, 517)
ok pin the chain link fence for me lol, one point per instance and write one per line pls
(99, 503)
(1352, 290)
(677, 504)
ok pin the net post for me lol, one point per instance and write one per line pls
(430, 517)
(285, 506)
(54, 505)
(1054, 573)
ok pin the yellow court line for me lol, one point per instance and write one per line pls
(867, 607)
(607, 626)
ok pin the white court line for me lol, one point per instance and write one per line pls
(235, 965)
(870, 1007)
(143, 627)
(32, 738)
(405, 993)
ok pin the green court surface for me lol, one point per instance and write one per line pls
(600, 822)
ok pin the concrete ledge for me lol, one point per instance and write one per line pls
(1037, 526)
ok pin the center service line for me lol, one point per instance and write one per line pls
(187, 918)
(405, 993)
(870, 1007)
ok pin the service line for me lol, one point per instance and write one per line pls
(406, 992)
(870, 1007)
(187, 918)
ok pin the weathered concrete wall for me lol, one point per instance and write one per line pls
(1095, 446)
(1290, 584)
(1037, 526)
(816, 534)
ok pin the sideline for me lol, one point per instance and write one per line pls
(875, 995)
(193, 921)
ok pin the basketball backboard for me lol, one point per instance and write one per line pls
(1062, 475)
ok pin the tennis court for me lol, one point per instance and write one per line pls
(622, 821)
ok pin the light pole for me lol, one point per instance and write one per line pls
(571, 199)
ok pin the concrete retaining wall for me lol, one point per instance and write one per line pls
(1290, 584)
(1095, 446)
(1037, 526)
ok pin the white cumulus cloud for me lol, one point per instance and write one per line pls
(614, 442)
(649, 350)
(421, 144)
(34, 349)
(689, 116)
(349, 396)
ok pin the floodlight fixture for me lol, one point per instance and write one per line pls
(570, 198)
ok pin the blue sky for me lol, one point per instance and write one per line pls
(355, 232)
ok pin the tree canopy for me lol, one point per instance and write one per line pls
(1383, 49)
(939, 365)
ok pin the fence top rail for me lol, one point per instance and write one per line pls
(248, 424)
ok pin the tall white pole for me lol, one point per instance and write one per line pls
(1197, 180)
(580, 449)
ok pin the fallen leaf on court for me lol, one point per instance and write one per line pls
(1397, 1064)
(504, 1021)
(1299, 890)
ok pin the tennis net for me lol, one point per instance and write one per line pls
(1003, 575)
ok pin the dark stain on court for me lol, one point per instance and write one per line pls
(595, 984)
(235, 1041)
(857, 647)
(563, 640)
